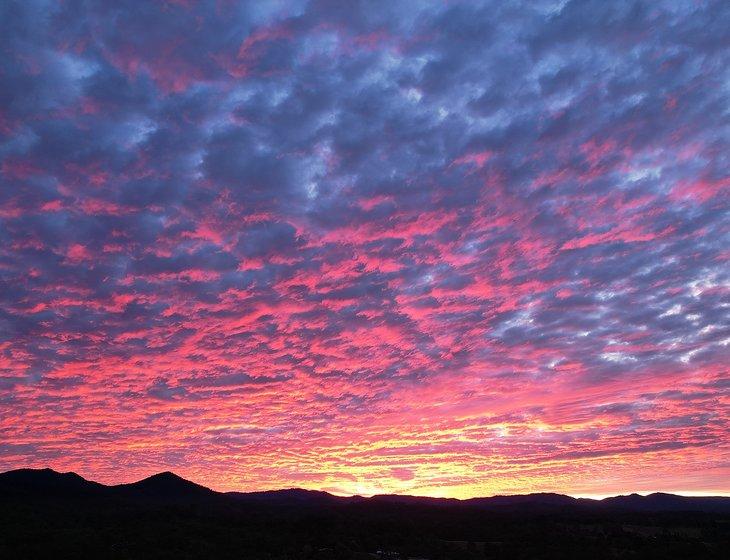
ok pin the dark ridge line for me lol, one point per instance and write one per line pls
(169, 482)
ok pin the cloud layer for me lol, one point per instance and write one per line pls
(432, 247)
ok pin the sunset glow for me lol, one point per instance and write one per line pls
(436, 248)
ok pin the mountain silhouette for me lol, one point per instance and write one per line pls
(164, 486)
(49, 514)
(291, 497)
(660, 501)
(167, 486)
(47, 482)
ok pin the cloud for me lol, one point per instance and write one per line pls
(448, 246)
(263, 239)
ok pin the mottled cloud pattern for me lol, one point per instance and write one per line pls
(445, 248)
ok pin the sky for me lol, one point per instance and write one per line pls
(440, 248)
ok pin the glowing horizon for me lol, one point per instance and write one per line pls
(451, 249)
(685, 493)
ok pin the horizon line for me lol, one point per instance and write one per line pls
(588, 496)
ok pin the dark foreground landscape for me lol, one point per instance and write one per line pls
(46, 514)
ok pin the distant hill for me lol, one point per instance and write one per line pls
(669, 502)
(291, 497)
(48, 514)
(47, 482)
(164, 486)
(542, 500)
(171, 487)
